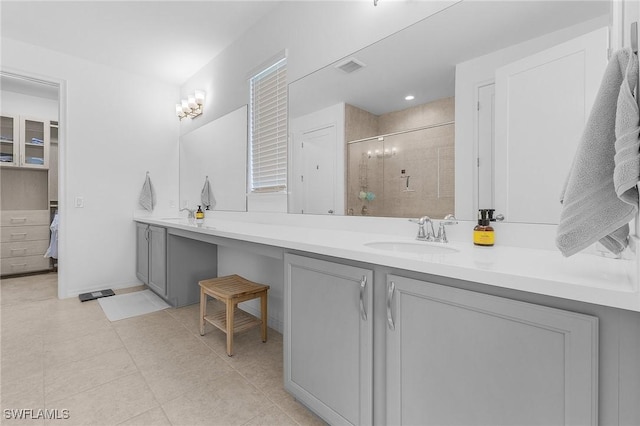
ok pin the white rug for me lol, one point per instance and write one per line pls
(130, 305)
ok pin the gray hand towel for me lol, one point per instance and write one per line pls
(147, 195)
(206, 196)
(600, 197)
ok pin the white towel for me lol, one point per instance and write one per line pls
(52, 251)
(600, 197)
(206, 196)
(148, 195)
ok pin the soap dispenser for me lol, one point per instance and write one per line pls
(483, 234)
(199, 214)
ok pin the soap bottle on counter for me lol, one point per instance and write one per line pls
(483, 233)
(199, 215)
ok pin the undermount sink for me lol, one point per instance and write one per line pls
(410, 247)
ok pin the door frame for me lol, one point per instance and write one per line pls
(62, 165)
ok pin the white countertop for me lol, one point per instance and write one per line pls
(582, 277)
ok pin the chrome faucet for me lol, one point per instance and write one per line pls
(191, 212)
(424, 235)
(442, 233)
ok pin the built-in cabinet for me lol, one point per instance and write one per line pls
(24, 142)
(24, 239)
(451, 356)
(329, 338)
(25, 187)
(53, 161)
(151, 259)
(172, 265)
(457, 357)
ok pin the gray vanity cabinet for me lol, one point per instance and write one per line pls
(459, 357)
(329, 338)
(151, 257)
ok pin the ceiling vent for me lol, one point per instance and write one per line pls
(350, 65)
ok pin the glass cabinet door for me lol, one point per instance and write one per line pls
(8, 140)
(36, 140)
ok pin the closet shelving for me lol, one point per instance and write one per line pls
(26, 183)
(24, 142)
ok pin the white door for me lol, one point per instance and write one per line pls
(534, 145)
(319, 170)
(486, 136)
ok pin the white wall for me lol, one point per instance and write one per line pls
(30, 106)
(115, 126)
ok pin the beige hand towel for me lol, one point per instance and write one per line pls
(600, 196)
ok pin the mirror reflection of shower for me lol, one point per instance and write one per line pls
(407, 171)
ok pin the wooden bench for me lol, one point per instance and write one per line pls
(232, 290)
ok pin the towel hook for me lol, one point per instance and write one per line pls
(147, 172)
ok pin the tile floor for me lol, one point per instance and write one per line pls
(154, 369)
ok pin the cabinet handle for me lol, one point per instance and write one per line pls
(390, 290)
(22, 250)
(19, 235)
(146, 234)
(18, 219)
(363, 285)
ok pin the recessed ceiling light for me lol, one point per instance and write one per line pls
(409, 98)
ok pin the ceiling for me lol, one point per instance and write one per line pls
(165, 40)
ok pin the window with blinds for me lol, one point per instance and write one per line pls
(268, 115)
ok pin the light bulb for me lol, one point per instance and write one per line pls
(199, 95)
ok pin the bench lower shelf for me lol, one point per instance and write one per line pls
(242, 320)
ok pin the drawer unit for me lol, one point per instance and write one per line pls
(24, 217)
(23, 248)
(24, 233)
(20, 265)
(24, 239)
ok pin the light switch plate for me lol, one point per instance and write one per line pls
(79, 202)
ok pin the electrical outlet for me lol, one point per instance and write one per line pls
(79, 202)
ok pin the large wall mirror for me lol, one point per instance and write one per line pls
(216, 152)
(498, 94)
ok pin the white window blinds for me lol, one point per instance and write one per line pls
(268, 115)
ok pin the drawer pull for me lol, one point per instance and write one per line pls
(19, 235)
(18, 219)
(363, 286)
(390, 290)
(20, 265)
(22, 250)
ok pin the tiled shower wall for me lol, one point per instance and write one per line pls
(378, 171)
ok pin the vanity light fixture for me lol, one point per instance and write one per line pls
(192, 106)
(409, 98)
